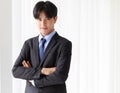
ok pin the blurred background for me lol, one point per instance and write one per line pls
(93, 26)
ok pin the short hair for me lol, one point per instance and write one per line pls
(47, 7)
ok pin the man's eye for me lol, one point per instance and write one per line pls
(39, 19)
(48, 18)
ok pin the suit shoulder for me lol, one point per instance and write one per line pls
(64, 40)
(64, 44)
(31, 40)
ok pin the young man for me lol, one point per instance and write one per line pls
(44, 59)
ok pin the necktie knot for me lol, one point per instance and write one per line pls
(43, 41)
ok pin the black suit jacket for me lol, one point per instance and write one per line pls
(57, 54)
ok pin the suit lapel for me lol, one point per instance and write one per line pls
(36, 47)
(49, 47)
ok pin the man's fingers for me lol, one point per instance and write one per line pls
(53, 69)
(42, 71)
(48, 71)
(26, 64)
(23, 63)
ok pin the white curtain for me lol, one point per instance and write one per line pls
(93, 26)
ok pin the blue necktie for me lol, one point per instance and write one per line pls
(42, 47)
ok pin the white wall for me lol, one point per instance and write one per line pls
(5, 46)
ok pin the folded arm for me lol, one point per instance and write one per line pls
(23, 69)
(19, 71)
(44, 71)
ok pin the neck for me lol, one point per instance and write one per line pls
(44, 34)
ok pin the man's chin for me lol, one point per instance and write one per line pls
(43, 33)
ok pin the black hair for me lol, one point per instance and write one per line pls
(47, 7)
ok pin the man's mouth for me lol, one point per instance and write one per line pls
(44, 28)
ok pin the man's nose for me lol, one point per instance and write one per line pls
(43, 22)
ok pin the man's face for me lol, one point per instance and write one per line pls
(46, 25)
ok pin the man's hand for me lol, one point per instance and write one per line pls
(48, 71)
(26, 64)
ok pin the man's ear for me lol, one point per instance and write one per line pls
(55, 18)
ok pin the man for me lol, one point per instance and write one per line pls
(44, 59)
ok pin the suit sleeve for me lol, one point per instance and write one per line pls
(21, 72)
(61, 73)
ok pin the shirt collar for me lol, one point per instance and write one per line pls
(47, 37)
